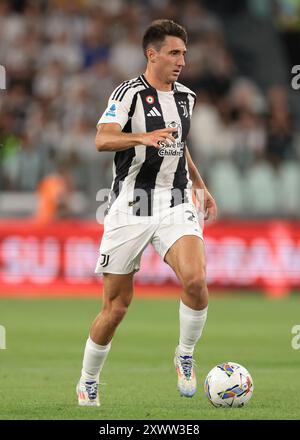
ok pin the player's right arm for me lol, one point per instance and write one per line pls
(121, 107)
(110, 137)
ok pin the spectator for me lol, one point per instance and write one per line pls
(61, 58)
(54, 194)
(128, 49)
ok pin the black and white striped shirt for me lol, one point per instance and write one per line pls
(159, 175)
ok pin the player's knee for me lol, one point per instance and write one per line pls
(117, 313)
(195, 283)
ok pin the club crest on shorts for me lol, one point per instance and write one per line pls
(150, 99)
(105, 260)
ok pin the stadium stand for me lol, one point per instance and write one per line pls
(63, 58)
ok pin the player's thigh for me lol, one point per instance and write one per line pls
(117, 288)
(187, 258)
(122, 244)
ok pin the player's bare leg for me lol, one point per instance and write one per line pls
(117, 295)
(187, 259)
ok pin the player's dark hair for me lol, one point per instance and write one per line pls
(159, 29)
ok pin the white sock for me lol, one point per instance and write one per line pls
(93, 360)
(191, 326)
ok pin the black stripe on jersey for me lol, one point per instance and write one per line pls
(180, 177)
(180, 183)
(123, 88)
(183, 105)
(131, 87)
(118, 88)
(144, 81)
(132, 107)
(123, 161)
(147, 175)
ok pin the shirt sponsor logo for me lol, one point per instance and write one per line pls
(175, 149)
(172, 150)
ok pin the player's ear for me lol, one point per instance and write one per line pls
(151, 54)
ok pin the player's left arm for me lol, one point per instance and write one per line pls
(210, 206)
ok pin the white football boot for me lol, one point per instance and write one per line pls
(87, 393)
(187, 382)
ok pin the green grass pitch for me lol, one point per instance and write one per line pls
(45, 341)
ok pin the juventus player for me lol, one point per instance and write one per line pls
(146, 123)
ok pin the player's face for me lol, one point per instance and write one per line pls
(169, 60)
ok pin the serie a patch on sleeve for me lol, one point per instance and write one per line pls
(111, 110)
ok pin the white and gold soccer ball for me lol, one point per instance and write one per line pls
(228, 385)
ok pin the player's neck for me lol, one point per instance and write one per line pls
(157, 83)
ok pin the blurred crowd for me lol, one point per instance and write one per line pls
(63, 59)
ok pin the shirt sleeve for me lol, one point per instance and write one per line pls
(117, 110)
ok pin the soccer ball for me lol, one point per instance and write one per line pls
(228, 385)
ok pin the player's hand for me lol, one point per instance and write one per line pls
(153, 138)
(210, 207)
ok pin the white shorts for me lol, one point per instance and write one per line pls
(126, 236)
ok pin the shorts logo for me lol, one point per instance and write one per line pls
(111, 111)
(105, 260)
(192, 217)
(149, 99)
